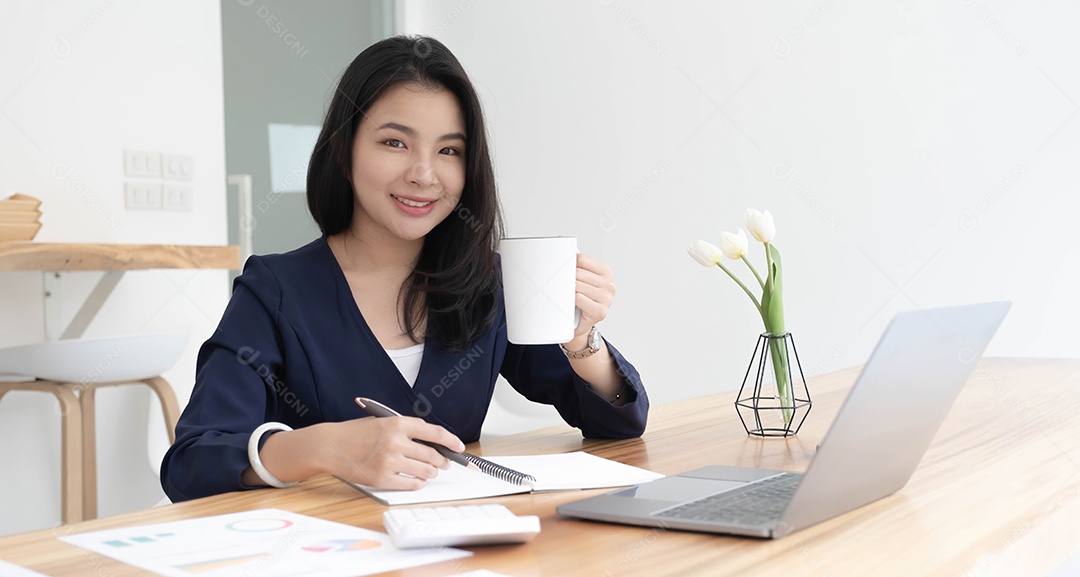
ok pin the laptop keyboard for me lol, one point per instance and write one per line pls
(756, 503)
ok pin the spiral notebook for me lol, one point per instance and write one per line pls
(561, 472)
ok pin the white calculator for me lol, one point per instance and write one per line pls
(450, 526)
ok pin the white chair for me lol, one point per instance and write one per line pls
(73, 370)
(512, 413)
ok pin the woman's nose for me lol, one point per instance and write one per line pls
(422, 174)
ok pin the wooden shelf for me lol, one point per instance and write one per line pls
(46, 256)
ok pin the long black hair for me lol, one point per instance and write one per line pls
(455, 273)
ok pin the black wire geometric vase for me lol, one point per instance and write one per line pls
(765, 412)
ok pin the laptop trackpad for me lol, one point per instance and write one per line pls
(678, 489)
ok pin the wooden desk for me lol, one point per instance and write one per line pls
(997, 494)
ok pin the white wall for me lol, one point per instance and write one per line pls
(914, 154)
(80, 81)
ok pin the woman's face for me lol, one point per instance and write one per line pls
(408, 164)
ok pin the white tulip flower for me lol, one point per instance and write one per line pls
(705, 253)
(771, 305)
(734, 246)
(761, 225)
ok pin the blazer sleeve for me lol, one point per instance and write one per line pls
(542, 374)
(234, 392)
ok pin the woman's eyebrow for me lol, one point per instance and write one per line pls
(412, 132)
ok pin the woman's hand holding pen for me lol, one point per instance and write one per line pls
(384, 453)
(381, 453)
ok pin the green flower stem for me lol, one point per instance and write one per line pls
(783, 384)
(773, 313)
(768, 258)
(746, 290)
(753, 270)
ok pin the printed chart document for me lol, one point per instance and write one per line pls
(562, 472)
(12, 570)
(266, 542)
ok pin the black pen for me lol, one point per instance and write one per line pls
(377, 409)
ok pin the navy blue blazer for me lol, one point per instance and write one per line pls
(293, 347)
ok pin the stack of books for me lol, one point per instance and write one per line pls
(20, 218)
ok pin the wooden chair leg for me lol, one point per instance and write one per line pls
(170, 408)
(78, 438)
(71, 449)
(89, 451)
(71, 457)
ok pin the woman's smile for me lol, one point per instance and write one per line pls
(414, 206)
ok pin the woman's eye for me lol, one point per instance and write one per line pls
(450, 151)
(395, 143)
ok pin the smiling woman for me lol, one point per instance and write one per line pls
(423, 138)
(400, 301)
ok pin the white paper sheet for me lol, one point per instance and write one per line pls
(559, 472)
(265, 542)
(13, 570)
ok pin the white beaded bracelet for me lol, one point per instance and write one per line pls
(253, 454)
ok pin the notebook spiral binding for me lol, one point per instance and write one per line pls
(498, 471)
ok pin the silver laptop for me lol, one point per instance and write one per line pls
(881, 432)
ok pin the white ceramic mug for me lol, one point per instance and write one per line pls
(539, 281)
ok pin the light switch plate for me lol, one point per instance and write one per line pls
(142, 163)
(176, 197)
(176, 167)
(142, 195)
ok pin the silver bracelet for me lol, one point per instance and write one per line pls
(253, 454)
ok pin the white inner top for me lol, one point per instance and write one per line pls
(407, 361)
